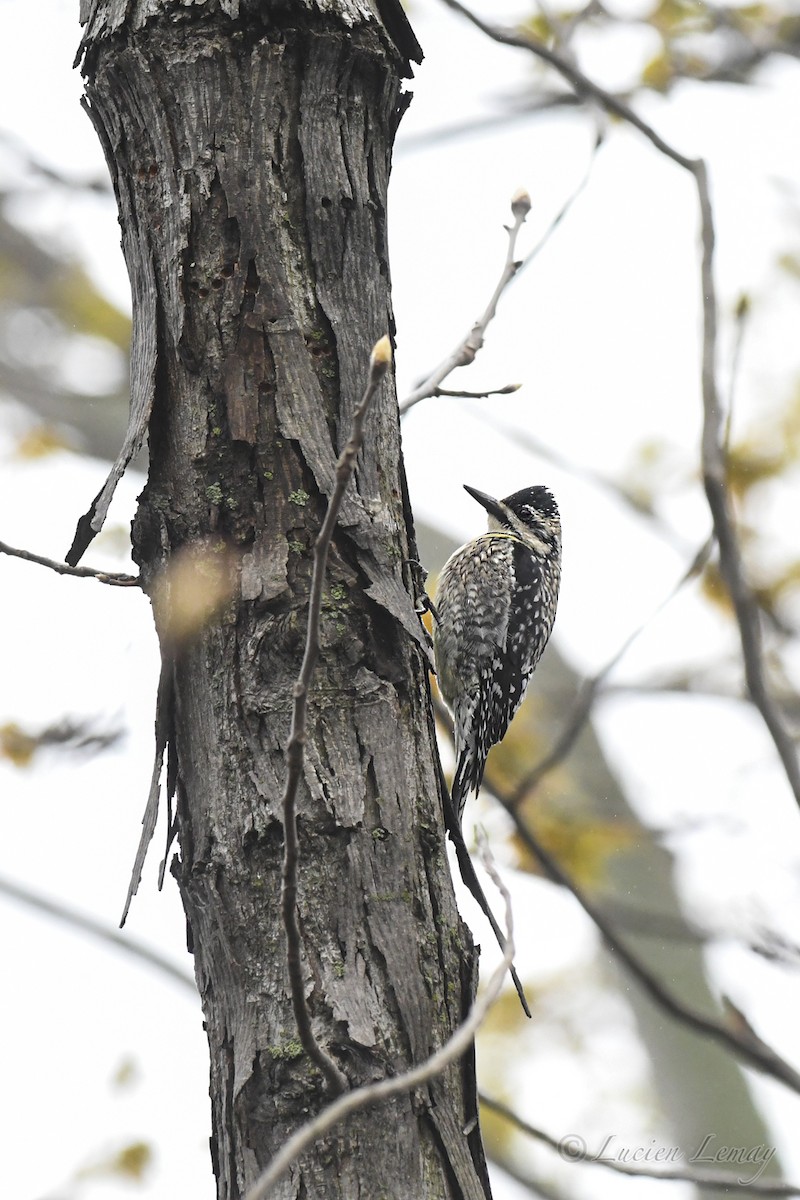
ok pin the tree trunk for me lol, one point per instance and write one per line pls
(249, 144)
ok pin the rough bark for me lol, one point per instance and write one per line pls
(249, 144)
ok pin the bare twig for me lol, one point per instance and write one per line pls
(501, 391)
(69, 734)
(467, 349)
(565, 207)
(766, 943)
(695, 687)
(741, 315)
(373, 1093)
(476, 126)
(572, 1149)
(114, 578)
(582, 84)
(69, 916)
(379, 362)
(744, 603)
(712, 443)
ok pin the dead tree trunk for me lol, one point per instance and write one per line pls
(249, 144)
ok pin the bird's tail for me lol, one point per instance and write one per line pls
(467, 779)
(452, 814)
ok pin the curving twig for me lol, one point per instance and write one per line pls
(295, 749)
(466, 350)
(456, 1045)
(114, 578)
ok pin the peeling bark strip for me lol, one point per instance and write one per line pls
(250, 145)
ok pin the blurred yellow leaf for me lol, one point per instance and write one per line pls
(538, 27)
(582, 846)
(659, 72)
(131, 1162)
(17, 746)
(41, 441)
(196, 586)
(497, 1133)
(743, 306)
(86, 310)
(714, 588)
(674, 16)
(790, 263)
(750, 12)
(126, 1074)
(749, 464)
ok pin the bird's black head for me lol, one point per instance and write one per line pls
(532, 504)
(529, 512)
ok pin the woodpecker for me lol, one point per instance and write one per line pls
(494, 608)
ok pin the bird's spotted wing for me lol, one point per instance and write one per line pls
(527, 630)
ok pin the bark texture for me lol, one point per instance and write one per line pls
(250, 147)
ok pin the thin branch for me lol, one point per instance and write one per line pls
(766, 943)
(747, 1046)
(411, 143)
(745, 606)
(114, 578)
(86, 924)
(501, 391)
(775, 947)
(712, 443)
(77, 735)
(565, 207)
(695, 687)
(455, 1046)
(379, 362)
(467, 349)
(741, 315)
(582, 84)
(572, 1149)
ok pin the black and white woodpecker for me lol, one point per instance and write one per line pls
(495, 606)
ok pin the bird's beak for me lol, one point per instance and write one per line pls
(492, 506)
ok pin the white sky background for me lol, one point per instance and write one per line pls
(604, 333)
